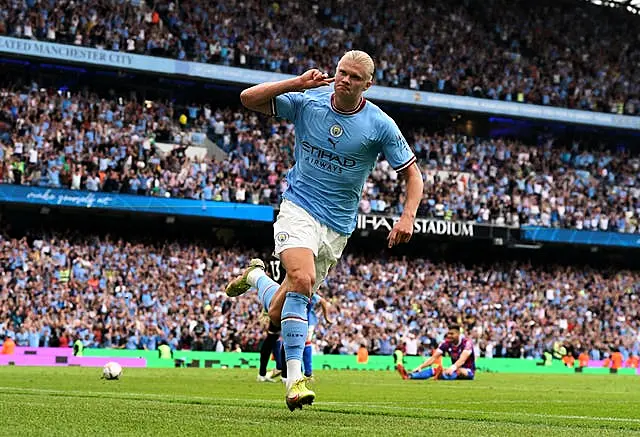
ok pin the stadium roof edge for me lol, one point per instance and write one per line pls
(221, 73)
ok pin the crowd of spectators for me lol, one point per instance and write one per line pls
(508, 183)
(569, 54)
(114, 293)
(80, 141)
(124, 294)
(84, 142)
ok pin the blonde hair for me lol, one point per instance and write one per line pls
(361, 58)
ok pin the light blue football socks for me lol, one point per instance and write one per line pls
(294, 332)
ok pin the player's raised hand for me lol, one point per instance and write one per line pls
(314, 78)
(401, 232)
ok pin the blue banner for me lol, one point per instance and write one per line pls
(127, 202)
(574, 236)
(108, 58)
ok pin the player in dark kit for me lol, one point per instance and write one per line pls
(270, 344)
(459, 348)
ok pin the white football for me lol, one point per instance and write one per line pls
(112, 370)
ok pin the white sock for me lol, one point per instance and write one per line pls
(253, 276)
(294, 371)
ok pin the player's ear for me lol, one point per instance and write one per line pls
(368, 84)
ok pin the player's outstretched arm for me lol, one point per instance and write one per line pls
(258, 97)
(326, 307)
(437, 354)
(403, 229)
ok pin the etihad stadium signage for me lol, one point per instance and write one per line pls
(420, 225)
(433, 227)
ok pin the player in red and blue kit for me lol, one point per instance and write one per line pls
(459, 348)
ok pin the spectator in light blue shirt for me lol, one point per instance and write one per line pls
(54, 177)
(132, 341)
(34, 337)
(22, 338)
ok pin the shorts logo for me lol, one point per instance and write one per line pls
(336, 131)
(282, 237)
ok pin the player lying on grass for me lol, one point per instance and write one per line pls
(459, 348)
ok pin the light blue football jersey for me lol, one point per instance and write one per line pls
(335, 152)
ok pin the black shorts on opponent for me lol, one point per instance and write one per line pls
(276, 271)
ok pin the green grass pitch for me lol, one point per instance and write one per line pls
(70, 401)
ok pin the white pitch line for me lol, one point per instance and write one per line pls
(470, 386)
(492, 412)
(511, 401)
(158, 396)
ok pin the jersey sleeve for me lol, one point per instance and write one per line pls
(443, 347)
(468, 345)
(287, 106)
(395, 148)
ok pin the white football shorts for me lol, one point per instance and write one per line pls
(295, 227)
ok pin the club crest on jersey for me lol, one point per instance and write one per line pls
(336, 131)
(282, 237)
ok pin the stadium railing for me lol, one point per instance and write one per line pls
(574, 236)
(140, 204)
(366, 225)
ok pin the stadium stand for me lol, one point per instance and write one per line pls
(560, 53)
(132, 292)
(84, 142)
(115, 292)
